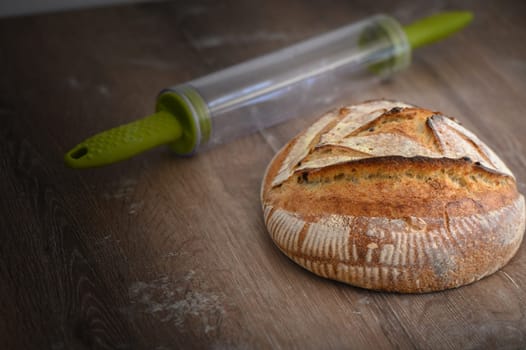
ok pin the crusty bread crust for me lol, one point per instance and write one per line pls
(388, 196)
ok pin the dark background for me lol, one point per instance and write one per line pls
(161, 252)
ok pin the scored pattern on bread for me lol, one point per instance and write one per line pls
(385, 128)
(398, 254)
(388, 196)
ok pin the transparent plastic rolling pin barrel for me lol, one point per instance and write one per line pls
(302, 80)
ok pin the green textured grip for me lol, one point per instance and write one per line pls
(436, 27)
(125, 141)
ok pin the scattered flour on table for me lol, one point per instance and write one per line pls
(212, 41)
(103, 90)
(122, 189)
(73, 82)
(134, 207)
(177, 301)
(151, 63)
(274, 143)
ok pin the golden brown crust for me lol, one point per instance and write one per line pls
(414, 186)
(393, 198)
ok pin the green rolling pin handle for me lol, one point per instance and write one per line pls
(181, 121)
(125, 141)
(436, 27)
(420, 33)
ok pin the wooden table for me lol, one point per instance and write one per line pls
(162, 253)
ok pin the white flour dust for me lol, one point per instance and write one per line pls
(177, 301)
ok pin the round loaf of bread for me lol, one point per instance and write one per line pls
(388, 196)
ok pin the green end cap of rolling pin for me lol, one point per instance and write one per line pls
(436, 27)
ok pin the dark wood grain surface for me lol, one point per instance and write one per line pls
(161, 252)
